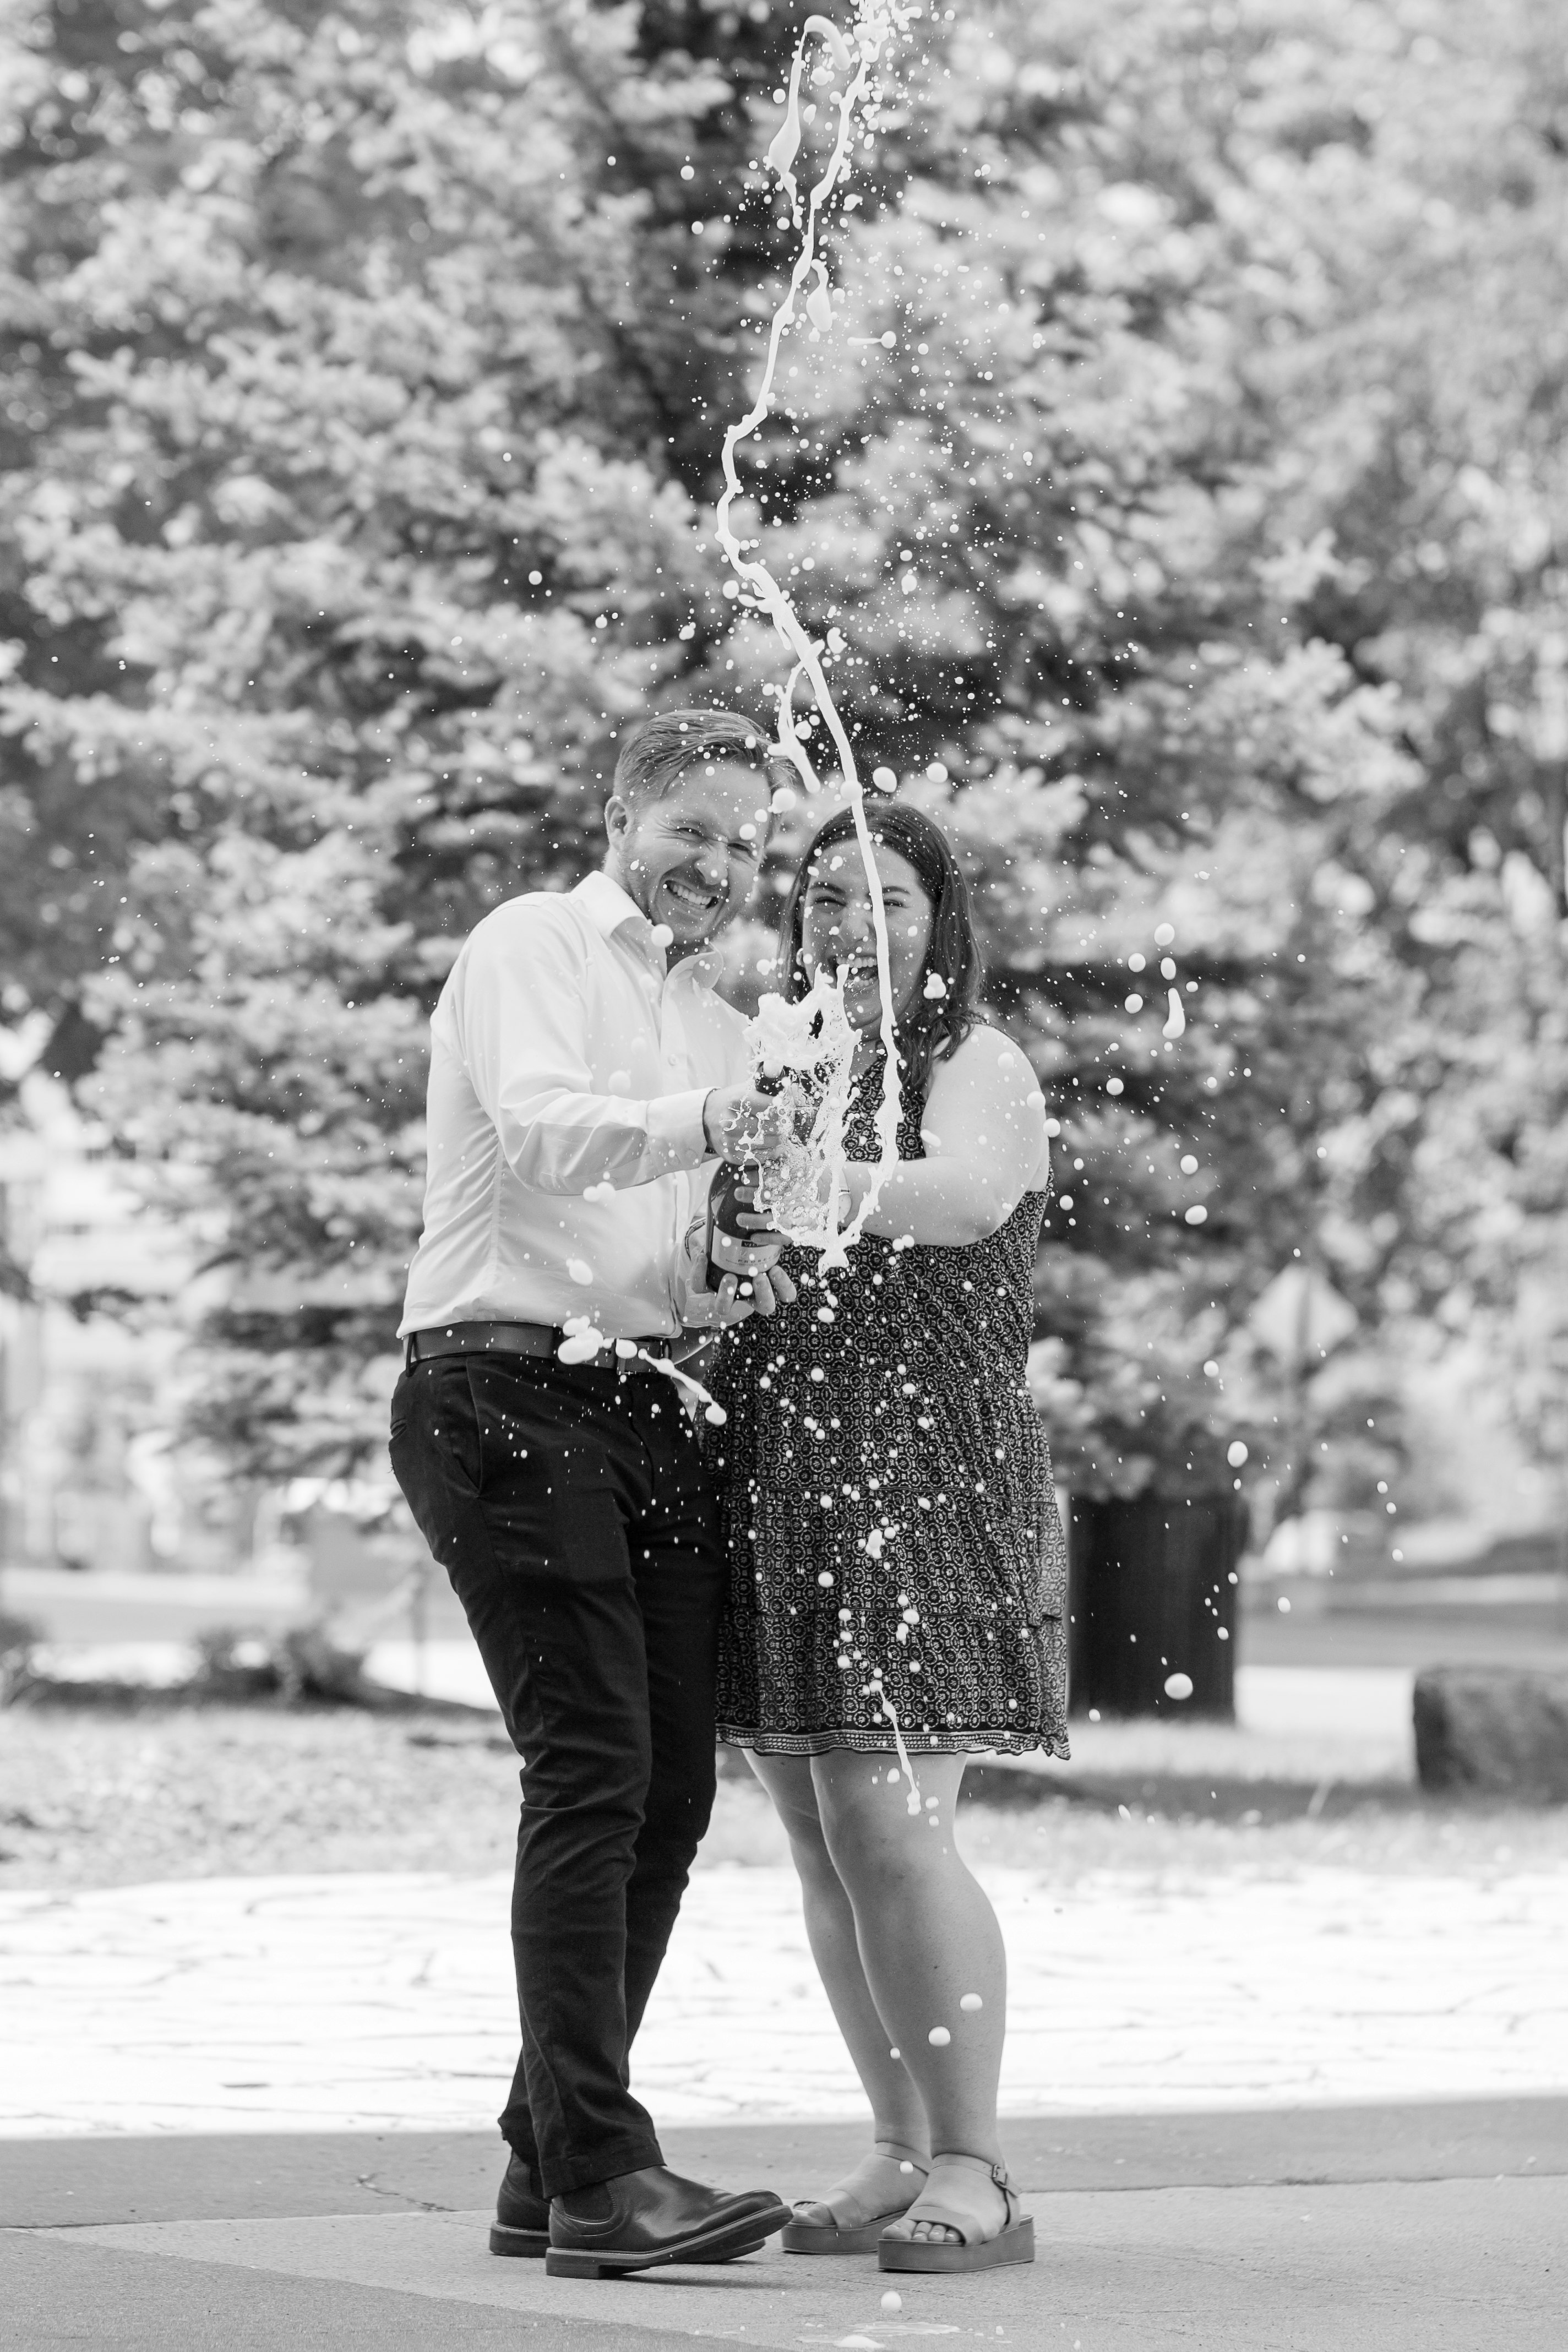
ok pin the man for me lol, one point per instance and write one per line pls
(583, 1081)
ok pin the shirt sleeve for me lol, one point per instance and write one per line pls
(522, 1034)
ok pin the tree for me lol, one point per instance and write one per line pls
(327, 308)
(380, 360)
(1418, 499)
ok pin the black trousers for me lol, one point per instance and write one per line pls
(569, 1507)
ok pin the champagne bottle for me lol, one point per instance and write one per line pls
(732, 1246)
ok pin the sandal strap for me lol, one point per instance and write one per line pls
(927, 2207)
(993, 2170)
(894, 2152)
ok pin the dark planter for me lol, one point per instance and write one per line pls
(1149, 1595)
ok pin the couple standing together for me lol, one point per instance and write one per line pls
(867, 1548)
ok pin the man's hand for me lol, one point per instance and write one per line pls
(700, 1309)
(771, 1286)
(772, 1290)
(740, 1123)
(759, 1292)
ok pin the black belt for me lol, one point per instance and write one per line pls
(513, 1340)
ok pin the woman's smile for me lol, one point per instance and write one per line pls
(838, 929)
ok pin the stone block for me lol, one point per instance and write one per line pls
(1497, 1731)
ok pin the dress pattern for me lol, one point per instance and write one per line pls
(894, 1550)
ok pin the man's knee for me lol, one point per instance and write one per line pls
(589, 1791)
(680, 1793)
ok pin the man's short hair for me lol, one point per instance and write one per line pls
(655, 756)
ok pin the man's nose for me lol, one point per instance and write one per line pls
(713, 864)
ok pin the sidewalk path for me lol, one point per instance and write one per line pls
(1319, 2230)
(385, 2003)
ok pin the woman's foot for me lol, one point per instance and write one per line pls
(967, 2218)
(884, 2182)
(964, 2190)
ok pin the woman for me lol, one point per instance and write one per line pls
(897, 1565)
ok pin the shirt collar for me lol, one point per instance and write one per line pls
(611, 909)
(608, 908)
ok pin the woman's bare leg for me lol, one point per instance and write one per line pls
(926, 1937)
(878, 2185)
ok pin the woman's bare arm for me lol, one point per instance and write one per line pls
(985, 1134)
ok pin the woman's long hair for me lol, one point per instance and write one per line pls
(931, 1027)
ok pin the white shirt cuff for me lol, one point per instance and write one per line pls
(676, 1121)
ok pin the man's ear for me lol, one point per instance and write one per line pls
(617, 819)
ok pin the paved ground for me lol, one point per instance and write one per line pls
(1409, 2228)
(373, 2001)
(1277, 2105)
(1211, 2176)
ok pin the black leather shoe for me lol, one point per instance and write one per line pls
(521, 2225)
(641, 2219)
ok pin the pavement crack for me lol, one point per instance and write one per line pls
(400, 2197)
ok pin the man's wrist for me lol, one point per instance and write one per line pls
(675, 1124)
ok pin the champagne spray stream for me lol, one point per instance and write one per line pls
(875, 23)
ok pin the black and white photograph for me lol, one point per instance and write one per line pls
(784, 1175)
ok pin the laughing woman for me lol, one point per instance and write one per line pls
(897, 1562)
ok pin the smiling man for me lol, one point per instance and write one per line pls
(584, 1080)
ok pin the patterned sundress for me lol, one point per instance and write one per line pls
(895, 1550)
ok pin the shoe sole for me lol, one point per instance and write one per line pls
(1014, 2245)
(533, 2245)
(725, 2245)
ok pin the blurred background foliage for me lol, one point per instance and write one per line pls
(1199, 549)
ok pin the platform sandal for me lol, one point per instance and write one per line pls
(949, 2203)
(818, 2229)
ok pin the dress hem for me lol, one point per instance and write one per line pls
(878, 1742)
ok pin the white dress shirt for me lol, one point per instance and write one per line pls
(564, 1053)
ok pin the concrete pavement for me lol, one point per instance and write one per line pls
(1381, 2229)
